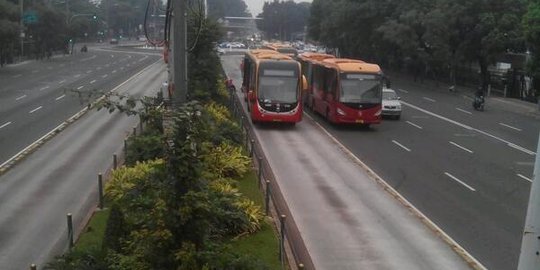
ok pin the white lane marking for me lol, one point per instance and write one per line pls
(93, 81)
(5, 125)
(80, 87)
(34, 71)
(520, 175)
(129, 56)
(62, 81)
(21, 97)
(509, 126)
(77, 76)
(89, 71)
(107, 65)
(459, 181)
(429, 99)
(122, 68)
(463, 111)
(60, 97)
(401, 145)
(114, 71)
(69, 120)
(461, 147)
(403, 90)
(527, 151)
(43, 88)
(128, 65)
(105, 76)
(112, 55)
(98, 68)
(142, 59)
(413, 124)
(17, 76)
(89, 58)
(36, 109)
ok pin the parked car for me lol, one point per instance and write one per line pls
(113, 41)
(390, 103)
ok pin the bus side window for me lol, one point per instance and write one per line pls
(246, 65)
(253, 79)
(333, 84)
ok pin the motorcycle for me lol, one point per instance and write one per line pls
(478, 103)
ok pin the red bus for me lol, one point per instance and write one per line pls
(306, 61)
(346, 91)
(272, 84)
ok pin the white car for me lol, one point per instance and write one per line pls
(391, 106)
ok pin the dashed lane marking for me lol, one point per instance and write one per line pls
(460, 147)
(36, 109)
(509, 126)
(459, 181)
(5, 125)
(463, 111)
(524, 177)
(413, 124)
(401, 145)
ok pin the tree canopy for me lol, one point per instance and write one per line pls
(428, 36)
(283, 19)
(227, 8)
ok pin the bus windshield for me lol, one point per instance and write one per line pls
(360, 88)
(278, 85)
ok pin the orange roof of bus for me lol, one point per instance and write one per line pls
(268, 55)
(315, 56)
(263, 51)
(351, 65)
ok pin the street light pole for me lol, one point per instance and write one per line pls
(529, 258)
(22, 29)
(179, 51)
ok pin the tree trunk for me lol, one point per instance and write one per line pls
(484, 73)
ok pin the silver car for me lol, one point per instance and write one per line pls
(391, 106)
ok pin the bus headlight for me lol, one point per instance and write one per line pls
(378, 113)
(340, 112)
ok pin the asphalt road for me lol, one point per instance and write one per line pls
(61, 176)
(36, 96)
(468, 171)
(346, 219)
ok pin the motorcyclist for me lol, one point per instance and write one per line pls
(479, 98)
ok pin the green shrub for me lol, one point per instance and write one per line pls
(147, 146)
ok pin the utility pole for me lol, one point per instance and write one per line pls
(529, 258)
(179, 53)
(22, 28)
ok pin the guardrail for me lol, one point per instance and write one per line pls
(290, 240)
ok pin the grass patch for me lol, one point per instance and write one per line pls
(92, 236)
(264, 243)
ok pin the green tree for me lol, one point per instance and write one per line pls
(531, 25)
(282, 19)
(227, 8)
(9, 27)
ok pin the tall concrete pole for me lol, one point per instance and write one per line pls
(529, 258)
(21, 34)
(179, 52)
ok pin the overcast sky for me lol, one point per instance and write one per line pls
(255, 6)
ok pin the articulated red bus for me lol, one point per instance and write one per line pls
(346, 91)
(307, 60)
(272, 84)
